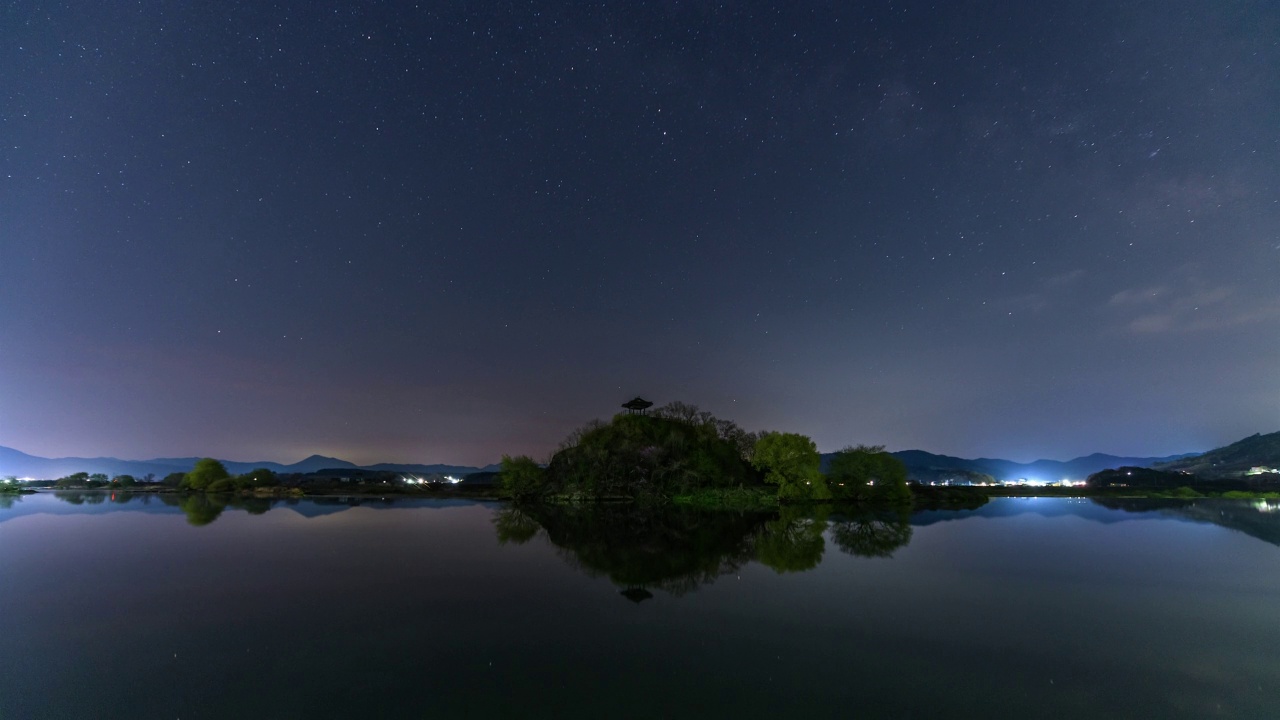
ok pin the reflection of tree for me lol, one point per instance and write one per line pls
(7, 500)
(252, 505)
(202, 509)
(871, 534)
(638, 547)
(793, 542)
(643, 548)
(514, 526)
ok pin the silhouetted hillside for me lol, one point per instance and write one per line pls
(1232, 461)
(925, 467)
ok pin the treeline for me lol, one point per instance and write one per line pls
(208, 475)
(679, 450)
(211, 476)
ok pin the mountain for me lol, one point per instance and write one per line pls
(927, 467)
(14, 462)
(455, 470)
(1231, 461)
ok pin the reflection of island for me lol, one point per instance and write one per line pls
(671, 549)
(677, 549)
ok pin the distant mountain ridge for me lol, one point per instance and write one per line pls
(922, 466)
(16, 462)
(925, 466)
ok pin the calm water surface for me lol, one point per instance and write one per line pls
(1046, 608)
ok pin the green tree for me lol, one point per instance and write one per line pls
(258, 477)
(124, 481)
(677, 449)
(206, 472)
(173, 479)
(868, 473)
(521, 477)
(791, 462)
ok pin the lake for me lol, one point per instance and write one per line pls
(139, 607)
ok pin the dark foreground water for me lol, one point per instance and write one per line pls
(1044, 608)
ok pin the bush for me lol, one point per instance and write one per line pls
(222, 486)
(521, 477)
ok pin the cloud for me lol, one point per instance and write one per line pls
(1138, 296)
(1051, 292)
(1188, 306)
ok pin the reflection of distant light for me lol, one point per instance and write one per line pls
(1265, 506)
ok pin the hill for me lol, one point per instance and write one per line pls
(1233, 461)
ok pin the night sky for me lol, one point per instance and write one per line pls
(445, 231)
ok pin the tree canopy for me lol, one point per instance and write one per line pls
(206, 472)
(521, 477)
(675, 448)
(791, 462)
(867, 473)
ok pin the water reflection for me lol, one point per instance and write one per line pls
(871, 532)
(788, 540)
(638, 548)
(1256, 518)
(677, 550)
(792, 541)
(204, 509)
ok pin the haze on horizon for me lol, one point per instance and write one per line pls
(394, 234)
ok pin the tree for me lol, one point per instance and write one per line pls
(868, 473)
(73, 480)
(124, 481)
(206, 472)
(258, 477)
(791, 462)
(173, 479)
(520, 476)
